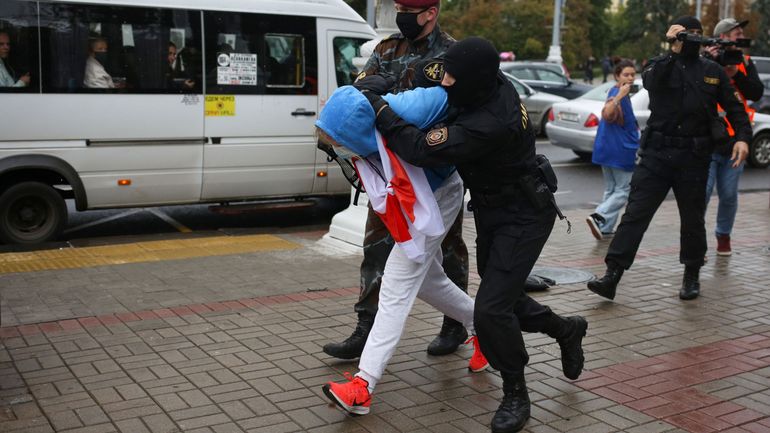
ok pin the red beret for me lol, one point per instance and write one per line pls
(417, 3)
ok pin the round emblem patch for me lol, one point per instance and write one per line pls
(436, 136)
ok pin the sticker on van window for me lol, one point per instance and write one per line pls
(237, 69)
(218, 105)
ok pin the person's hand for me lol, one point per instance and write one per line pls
(740, 152)
(712, 51)
(676, 45)
(189, 84)
(374, 83)
(731, 70)
(26, 79)
(625, 89)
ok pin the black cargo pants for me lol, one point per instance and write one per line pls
(660, 170)
(509, 241)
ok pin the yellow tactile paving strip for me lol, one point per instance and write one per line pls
(152, 251)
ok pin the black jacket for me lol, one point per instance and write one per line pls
(675, 110)
(491, 143)
(749, 84)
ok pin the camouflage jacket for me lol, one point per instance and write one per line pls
(393, 56)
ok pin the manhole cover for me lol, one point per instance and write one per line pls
(564, 275)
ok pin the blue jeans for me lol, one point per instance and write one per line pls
(617, 185)
(726, 179)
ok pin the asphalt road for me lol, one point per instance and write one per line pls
(580, 186)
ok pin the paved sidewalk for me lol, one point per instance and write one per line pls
(232, 343)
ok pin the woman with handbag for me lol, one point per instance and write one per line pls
(617, 140)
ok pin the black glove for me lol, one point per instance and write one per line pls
(376, 101)
(375, 84)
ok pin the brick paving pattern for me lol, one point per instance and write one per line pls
(233, 344)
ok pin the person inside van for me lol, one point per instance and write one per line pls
(8, 77)
(96, 76)
(175, 76)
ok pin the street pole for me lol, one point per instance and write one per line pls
(370, 12)
(698, 5)
(554, 52)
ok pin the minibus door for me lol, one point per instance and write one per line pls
(261, 103)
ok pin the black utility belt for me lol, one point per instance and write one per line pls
(662, 140)
(506, 196)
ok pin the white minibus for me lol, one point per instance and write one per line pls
(133, 103)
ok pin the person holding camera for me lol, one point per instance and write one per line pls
(617, 140)
(490, 140)
(681, 134)
(725, 171)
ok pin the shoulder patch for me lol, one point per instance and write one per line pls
(393, 36)
(711, 80)
(434, 71)
(436, 136)
(361, 75)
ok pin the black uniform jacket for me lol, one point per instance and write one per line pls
(749, 83)
(491, 142)
(676, 110)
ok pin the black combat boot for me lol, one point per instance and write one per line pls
(452, 335)
(571, 345)
(352, 346)
(606, 285)
(690, 283)
(513, 412)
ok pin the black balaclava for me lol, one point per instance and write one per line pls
(690, 50)
(408, 25)
(473, 62)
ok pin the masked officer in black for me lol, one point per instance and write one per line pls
(676, 151)
(489, 138)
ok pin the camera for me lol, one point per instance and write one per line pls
(724, 57)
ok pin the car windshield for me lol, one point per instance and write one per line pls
(520, 88)
(598, 93)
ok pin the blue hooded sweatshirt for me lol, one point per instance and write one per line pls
(348, 118)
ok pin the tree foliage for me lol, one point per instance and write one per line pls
(636, 31)
(521, 26)
(640, 31)
(759, 28)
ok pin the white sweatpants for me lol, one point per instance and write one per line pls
(404, 279)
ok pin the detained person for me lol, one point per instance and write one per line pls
(418, 206)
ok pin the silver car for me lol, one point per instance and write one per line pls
(573, 124)
(538, 103)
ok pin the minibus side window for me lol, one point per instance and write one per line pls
(345, 50)
(116, 49)
(19, 67)
(258, 54)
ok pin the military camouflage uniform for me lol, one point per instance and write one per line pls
(392, 58)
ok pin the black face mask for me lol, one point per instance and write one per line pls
(690, 50)
(101, 58)
(459, 95)
(407, 23)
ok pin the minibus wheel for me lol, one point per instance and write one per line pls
(31, 213)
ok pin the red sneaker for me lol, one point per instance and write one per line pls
(478, 361)
(353, 396)
(723, 245)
